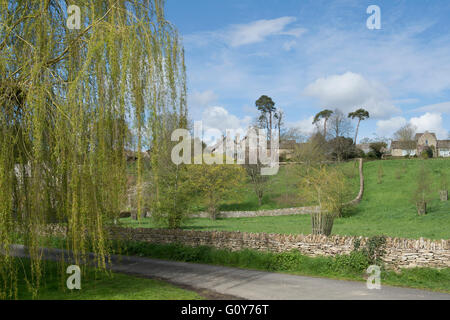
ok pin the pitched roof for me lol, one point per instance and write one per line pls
(403, 145)
(443, 144)
(418, 135)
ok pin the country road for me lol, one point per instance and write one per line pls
(251, 284)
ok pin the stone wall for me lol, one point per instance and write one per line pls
(261, 213)
(400, 253)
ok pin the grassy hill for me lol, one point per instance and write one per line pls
(386, 207)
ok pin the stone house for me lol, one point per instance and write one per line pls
(286, 148)
(441, 148)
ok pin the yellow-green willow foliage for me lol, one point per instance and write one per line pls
(68, 100)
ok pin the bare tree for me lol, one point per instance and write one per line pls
(279, 117)
(340, 128)
(406, 135)
(339, 125)
(293, 134)
(314, 151)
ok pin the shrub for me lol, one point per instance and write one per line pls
(378, 148)
(215, 181)
(356, 261)
(373, 250)
(427, 153)
(371, 155)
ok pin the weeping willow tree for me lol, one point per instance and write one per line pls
(68, 99)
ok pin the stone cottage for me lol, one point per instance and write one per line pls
(441, 148)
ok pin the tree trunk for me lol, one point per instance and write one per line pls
(444, 195)
(421, 208)
(213, 213)
(322, 223)
(270, 133)
(356, 133)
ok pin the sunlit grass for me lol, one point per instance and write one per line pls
(101, 286)
(386, 208)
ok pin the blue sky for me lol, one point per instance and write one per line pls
(308, 55)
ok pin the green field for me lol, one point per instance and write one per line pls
(102, 286)
(282, 191)
(386, 208)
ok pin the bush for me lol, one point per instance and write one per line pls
(378, 149)
(356, 261)
(373, 250)
(371, 155)
(287, 261)
(427, 153)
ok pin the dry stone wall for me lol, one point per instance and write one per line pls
(262, 213)
(400, 253)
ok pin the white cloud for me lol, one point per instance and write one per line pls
(305, 126)
(288, 45)
(258, 31)
(432, 122)
(406, 101)
(349, 91)
(218, 119)
(202, 99)
(386, 128)
(443, 107)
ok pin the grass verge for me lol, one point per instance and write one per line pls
(99, 286)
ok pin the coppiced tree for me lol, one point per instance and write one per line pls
(422, 192)
(66, 98)
(329, 189)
